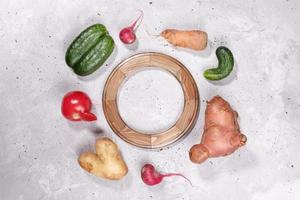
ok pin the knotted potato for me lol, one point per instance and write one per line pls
(106, 163)
(221, 135)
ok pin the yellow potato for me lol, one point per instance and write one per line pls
(106, 163)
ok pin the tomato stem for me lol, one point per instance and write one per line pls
(86, 116)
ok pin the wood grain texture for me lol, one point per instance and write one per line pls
(134, 64)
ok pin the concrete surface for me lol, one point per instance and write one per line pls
(39, 148)
(154, 94)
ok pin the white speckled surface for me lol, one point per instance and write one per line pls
(154, 94)
(39, 149)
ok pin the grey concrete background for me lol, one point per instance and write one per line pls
(39, 148)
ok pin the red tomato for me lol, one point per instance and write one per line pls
(76, 106)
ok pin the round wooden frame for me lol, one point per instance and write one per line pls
(133, 64)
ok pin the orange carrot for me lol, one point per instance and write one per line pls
(193, 39)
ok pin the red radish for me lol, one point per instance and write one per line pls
(151, 177)
(76, 106)
(127, 34)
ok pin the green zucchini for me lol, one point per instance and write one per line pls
(225, 66)
(89, 50)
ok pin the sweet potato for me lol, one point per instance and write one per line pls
(221, 135)
(106, 163)
(192, 39)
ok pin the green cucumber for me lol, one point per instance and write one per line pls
(89, 50)
(95, 57)
(225, 66)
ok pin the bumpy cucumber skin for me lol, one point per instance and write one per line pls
(94, 58)
(225, 66)
(89, 50)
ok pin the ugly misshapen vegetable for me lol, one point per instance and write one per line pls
(106, 163)
(127, 34)
(225, 66)
(76, 106)
(221, 135)
(89, 50)
(192, 39)
(151, 177)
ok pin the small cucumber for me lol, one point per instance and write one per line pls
(225, 66)
(89, 50)
(95, 57)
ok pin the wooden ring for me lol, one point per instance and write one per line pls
(133, 64)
